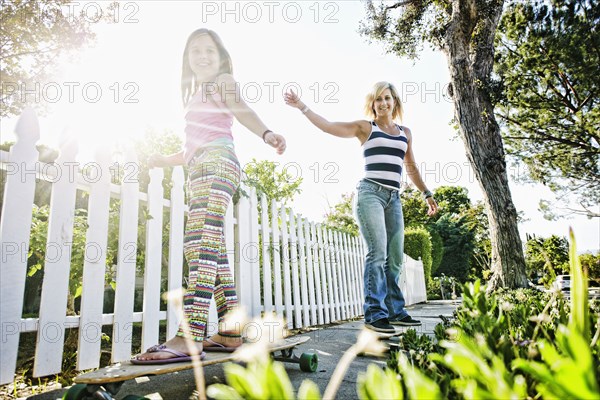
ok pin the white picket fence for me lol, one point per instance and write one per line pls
(297, 269)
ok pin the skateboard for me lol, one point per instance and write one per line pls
(389, 340)
(106, 382)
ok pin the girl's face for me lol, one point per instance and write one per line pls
(384, 103)
(204, 58)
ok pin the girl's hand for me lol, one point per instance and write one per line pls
(156, 160)
(293, 100)
(276, 141)
(432, 207)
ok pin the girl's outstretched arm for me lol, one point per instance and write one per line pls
(171, 160)
(229, 90)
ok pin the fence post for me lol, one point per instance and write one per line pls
(55, 288)
(303, 276)
(243, 269)
(277, 279)
(175, 272)
(295, 275)
(127, 257)
(311, 272)
(152, 269)
(254, 255)
(321, 275)
(14, 237)
(94, 265)
(287, 284)
(266, 264)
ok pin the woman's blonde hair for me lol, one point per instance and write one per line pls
(378, 88)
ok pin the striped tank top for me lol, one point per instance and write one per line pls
(207, 123)
(384, 156)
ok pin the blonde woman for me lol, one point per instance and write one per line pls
(387, 148)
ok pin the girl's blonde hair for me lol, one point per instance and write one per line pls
(189, 85)
(378, 88)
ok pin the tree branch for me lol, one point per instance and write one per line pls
(401, 4)
(564, 78)
(541, 133)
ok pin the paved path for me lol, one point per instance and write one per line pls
(329, 343)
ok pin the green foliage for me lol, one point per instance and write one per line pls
(264, 379)
(459, 245)
(437, 250)
(547, 257)
(567, 369)
(420, 22)
(153, 142)
(463, 225)
(417, 244)
(476, 221)
(453, 200)
(276, 185)
(591, 263)
(512, 344)
(34, 34)
(414, 208)
(341, 216)
(481, 373)
(378, 384)
(547, 60)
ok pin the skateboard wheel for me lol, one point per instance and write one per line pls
(309, 362)
(77, 392)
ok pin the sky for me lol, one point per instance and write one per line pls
(129, 83)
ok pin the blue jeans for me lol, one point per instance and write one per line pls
(381, 224)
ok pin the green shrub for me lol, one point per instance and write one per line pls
(459, 247)
(417, 244)
(515, 344)
(437, 250)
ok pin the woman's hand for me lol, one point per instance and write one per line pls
(432, 207)
(276, 141)
(293, 100)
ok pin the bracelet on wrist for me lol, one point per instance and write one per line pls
(427, 194)
(305, 109)
(265, 134)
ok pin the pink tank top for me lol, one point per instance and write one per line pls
(208, 122)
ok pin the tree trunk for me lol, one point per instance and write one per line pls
(470, 61)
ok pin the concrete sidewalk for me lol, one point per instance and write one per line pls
(329, 343)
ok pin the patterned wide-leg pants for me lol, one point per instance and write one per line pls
(214, 175)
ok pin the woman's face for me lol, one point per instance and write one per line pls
(384, 104)
(204, 58)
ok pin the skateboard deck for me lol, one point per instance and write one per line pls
(386, 336)
(390, 342)
(108, 380)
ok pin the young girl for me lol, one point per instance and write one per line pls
(212, 100)
(387, 147)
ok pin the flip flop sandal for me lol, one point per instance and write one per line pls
(179, 356)
(218, 347)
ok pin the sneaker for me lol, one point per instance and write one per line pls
(406, 321)
(381, 325)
